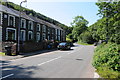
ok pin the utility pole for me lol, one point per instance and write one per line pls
(18, 37)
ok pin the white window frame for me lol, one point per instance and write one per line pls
(24, 23)
(58, 38)
(28, 35)
(24, 38)
(31, 25)
(48, 37)
(44, 28)
(7, 33)
(38, 25)
(58, 32)
(48, 30)
(13, 20)
(1, 17)
(44, 36)
(37, 38)
(52, 31)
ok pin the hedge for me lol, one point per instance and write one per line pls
(107, 60)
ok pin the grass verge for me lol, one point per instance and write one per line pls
(81, 43)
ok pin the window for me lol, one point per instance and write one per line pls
(48, 37)
(58, 32)
(10, 34)
(11, 21)
(58, 38)
(38, 27)
(52, 31)
(22, 35)
(44, 36)
(48, 30)
(38, 37)
(0, 18)
(30, 35)
(23, 23)
(30, 25)
(44, 28)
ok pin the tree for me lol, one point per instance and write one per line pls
(108, 27)
(79, 25)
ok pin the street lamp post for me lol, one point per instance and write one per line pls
(18, 38)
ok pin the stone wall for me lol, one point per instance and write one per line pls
(12, 44)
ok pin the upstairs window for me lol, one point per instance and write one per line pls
(11, 21)
(23, 23)
(56, 31)
(52, 31)
(48, 30)
(38, 27)
(30, 25)
(44, 28)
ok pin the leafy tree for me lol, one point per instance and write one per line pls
(108, 27)
(86, 37)
(79, 25)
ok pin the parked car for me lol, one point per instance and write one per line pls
(71, 44)
(64, 45)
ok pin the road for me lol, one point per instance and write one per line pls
(74, 63)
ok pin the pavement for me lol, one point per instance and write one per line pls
(22, 55)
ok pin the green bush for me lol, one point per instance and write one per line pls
(119, 47)
(105, 72)
(107, 56)
(86, 37)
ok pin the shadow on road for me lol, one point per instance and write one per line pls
(66, 49)
(36, 53)
(19, 71)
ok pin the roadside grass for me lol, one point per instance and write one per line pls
(2, 54)
(81, 43)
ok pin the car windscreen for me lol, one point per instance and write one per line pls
(62, 44)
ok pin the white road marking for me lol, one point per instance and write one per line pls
(7, 76)
(49, 61)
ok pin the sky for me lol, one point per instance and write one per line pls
(64, 11)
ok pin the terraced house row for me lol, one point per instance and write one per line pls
(31, 29)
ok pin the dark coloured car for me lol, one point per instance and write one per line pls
(64, 45)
